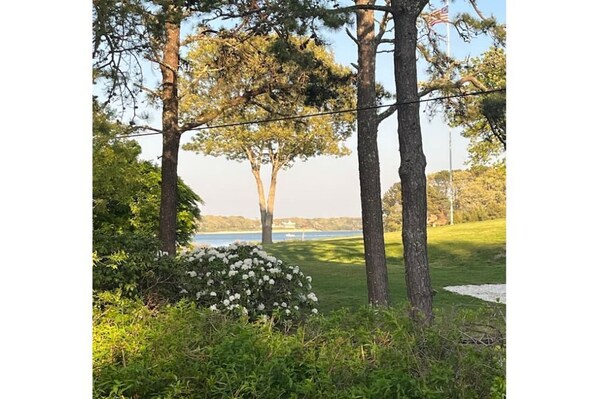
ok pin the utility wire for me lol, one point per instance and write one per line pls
(292, 117)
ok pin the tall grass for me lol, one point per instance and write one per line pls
(187, 353)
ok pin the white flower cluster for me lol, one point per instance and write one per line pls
(244, 279)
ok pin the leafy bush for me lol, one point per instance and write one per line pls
(183, 352)
(126, 207)
(244, 279)
(131, 264)
(126, 189)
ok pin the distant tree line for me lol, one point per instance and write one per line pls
(211, 223)
(480, 194)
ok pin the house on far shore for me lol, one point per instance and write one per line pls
(288, 224)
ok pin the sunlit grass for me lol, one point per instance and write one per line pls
(469, 253)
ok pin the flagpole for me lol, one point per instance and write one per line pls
(451, 190)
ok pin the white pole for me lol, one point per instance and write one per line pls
(451, 191)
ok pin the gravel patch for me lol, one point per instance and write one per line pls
(486, 292)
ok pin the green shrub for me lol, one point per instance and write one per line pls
(132, 264)
(244, 279)
(126, 189)
(179, 351)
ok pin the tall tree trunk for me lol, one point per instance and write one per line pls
(170, 138)
(267, 226)
(265, 216)
(369, 164)
(413, 162)
(267, 221)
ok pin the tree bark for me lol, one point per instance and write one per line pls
(269, 221)
(368, 159)
(413, 161)
(265, 216)
(170, 138)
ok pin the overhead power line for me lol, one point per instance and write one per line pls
(342, 111)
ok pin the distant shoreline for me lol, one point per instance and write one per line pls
(273, 231)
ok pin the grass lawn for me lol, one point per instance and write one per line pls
(469, 253)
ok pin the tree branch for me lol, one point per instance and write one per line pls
(365, 7)
(471, 79)
(136, 129)
(146, 89)
(387, 17)
(477, 10)
(452, 85)
(160, 63)
(385, 114)
(212, 114)
(351, 36)
(193, 38)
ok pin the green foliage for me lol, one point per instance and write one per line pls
(126, 33)
(132, 264)
(392, 208)
(126, 190)
(479, 193)
(126, 200)
(289, 77)
(180, 351)
(483, 118)
(243, 279)
(469, 26)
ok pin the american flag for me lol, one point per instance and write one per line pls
(438, 16)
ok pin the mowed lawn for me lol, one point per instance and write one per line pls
(468, 253)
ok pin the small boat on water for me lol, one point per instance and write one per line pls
(293, 236)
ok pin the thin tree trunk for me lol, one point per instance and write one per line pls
(413, 162)
(369, 164)
(170, 139)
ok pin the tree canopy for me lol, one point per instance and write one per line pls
(290, 77)
(483, 118)
(222, 67)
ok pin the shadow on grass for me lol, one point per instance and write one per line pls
(339, 280)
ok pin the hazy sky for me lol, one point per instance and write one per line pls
(324, 186)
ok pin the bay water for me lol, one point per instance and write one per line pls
(221, 239)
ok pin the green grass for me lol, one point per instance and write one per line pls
(469, 253)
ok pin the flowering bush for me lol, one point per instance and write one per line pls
(244, 279)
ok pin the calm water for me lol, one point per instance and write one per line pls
(218, 239)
